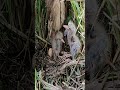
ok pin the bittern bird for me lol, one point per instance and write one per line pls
(73, 40)
(57, 41)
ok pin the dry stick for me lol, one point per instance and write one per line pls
(111, 2)
(111, 64)
(68, 87)
(73, 70)
(105, 79)
(2, 65)
(15, 30)
(75, 81)
(115, 58)
(42, 39)
(21, 52)
(112, 21)
(106, 76)
(49, 86)
(103, 3)
(116, 55)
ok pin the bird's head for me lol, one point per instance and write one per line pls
(70, 29)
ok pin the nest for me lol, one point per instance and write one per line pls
(55, 70)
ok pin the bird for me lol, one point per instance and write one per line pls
(73, 40)
(57, 41)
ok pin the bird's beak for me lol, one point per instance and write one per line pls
(66, 26)
(65, 32)
(62, 41)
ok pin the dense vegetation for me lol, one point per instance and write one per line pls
(16, 41)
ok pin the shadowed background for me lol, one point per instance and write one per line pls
(16, 44)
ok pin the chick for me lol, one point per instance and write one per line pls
(73, 41)
(57, 40)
